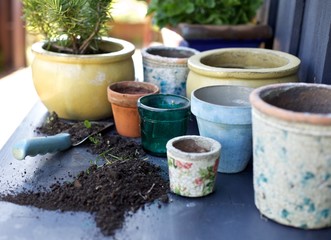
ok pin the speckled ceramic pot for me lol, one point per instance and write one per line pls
(250, 67)
(167, 67)
(192, 162)
(224, 114)
(292, 153)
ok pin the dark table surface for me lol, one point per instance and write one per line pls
(228, 213)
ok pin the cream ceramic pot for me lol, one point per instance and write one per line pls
(75, 86)
(250, 67)
(292, 153)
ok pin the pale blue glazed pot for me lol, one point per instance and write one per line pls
(223, 112)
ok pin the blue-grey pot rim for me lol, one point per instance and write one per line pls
(242, 113)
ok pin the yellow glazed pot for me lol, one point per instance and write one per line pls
(250, 67)
(75, 86)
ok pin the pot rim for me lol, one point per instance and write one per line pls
(288, 115)
(154, 109)
(129, 99)
(232, 115)
(292, 66)
(178, 60)
(220, 105)
(127, 50)
(215, 146)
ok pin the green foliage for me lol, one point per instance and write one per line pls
(87, 124)
(71, 26)
(215, 12)
(94, 140)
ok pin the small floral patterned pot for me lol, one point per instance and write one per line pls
(193, 163)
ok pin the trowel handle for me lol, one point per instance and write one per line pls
(41, 145)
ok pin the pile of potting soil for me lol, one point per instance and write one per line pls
(125, 183)
(108, 191)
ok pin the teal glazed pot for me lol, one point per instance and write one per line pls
(223, 112)
(292, 153)
(162, 117)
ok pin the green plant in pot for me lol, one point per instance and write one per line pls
(218, 23)
(76, 61)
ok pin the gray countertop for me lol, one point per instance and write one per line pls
(228, 213)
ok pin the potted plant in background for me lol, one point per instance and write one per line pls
(75, 63)
(205, 25)
(130, 22)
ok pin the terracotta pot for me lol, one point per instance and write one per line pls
(167, 68)
(251, 67)
(193, 162)
(223, 113)
(123, 97)
(134, 32)
(292, 153)
(74, 85)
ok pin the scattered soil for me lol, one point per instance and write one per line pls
(189, 146)
(125, 181)
(77, 130)
(133, 90)
(108, 191)
(108, 147)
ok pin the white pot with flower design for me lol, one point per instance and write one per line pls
(193, 162)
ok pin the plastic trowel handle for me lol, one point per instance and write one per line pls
(41, 145)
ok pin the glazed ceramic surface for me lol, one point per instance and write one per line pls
(123, 97)
(162, 117)
(167, 68)
(251, 67)
(74, 86)
(206, 37)
(193, 162)
(224, 114)
(292, 153)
